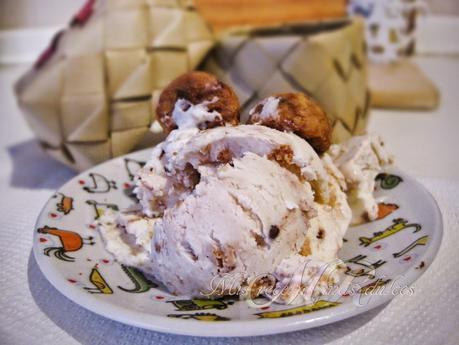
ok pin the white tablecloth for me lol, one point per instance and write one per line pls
(33, 312)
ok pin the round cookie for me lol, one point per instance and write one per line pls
(297, 113)
(197, 88)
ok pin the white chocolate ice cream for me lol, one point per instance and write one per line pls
(240, 219)
(237, 200)
(243, 202)
(128, 237)
(360, 160)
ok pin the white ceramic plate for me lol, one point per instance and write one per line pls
(400, 245)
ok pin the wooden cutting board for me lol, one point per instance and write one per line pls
(401, 85)
(222, 14)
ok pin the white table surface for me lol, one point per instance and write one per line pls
(425, 144)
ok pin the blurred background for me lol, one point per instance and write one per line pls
(412, 48)
(32, 13)
(26, 13)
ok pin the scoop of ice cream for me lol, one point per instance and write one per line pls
(238, 200)
(128, 237)
(240, 219)
(360, 160)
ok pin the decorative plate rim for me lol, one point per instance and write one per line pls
(239, 328)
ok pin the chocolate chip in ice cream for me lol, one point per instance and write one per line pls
(273, 232)
(320, 234)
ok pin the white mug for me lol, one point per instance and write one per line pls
(390, 26)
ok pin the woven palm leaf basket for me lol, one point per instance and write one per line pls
(326, 60)
(92, 94)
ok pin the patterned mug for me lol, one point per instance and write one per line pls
(390, 26)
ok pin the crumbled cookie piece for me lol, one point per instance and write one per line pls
(283, 155)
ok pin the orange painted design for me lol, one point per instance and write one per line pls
(71, 241)
(65, 205)
(385, 209)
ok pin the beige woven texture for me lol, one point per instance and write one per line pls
(93, 97)
(326, 60)
(92, 94)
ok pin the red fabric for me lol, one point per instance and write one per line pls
(49, 52)
(83, 14)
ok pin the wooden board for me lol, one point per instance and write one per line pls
(222, 14)
(401, 85)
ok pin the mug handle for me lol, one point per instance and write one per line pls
(422, 7)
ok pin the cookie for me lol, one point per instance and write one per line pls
(196, 88)
(297, 113)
